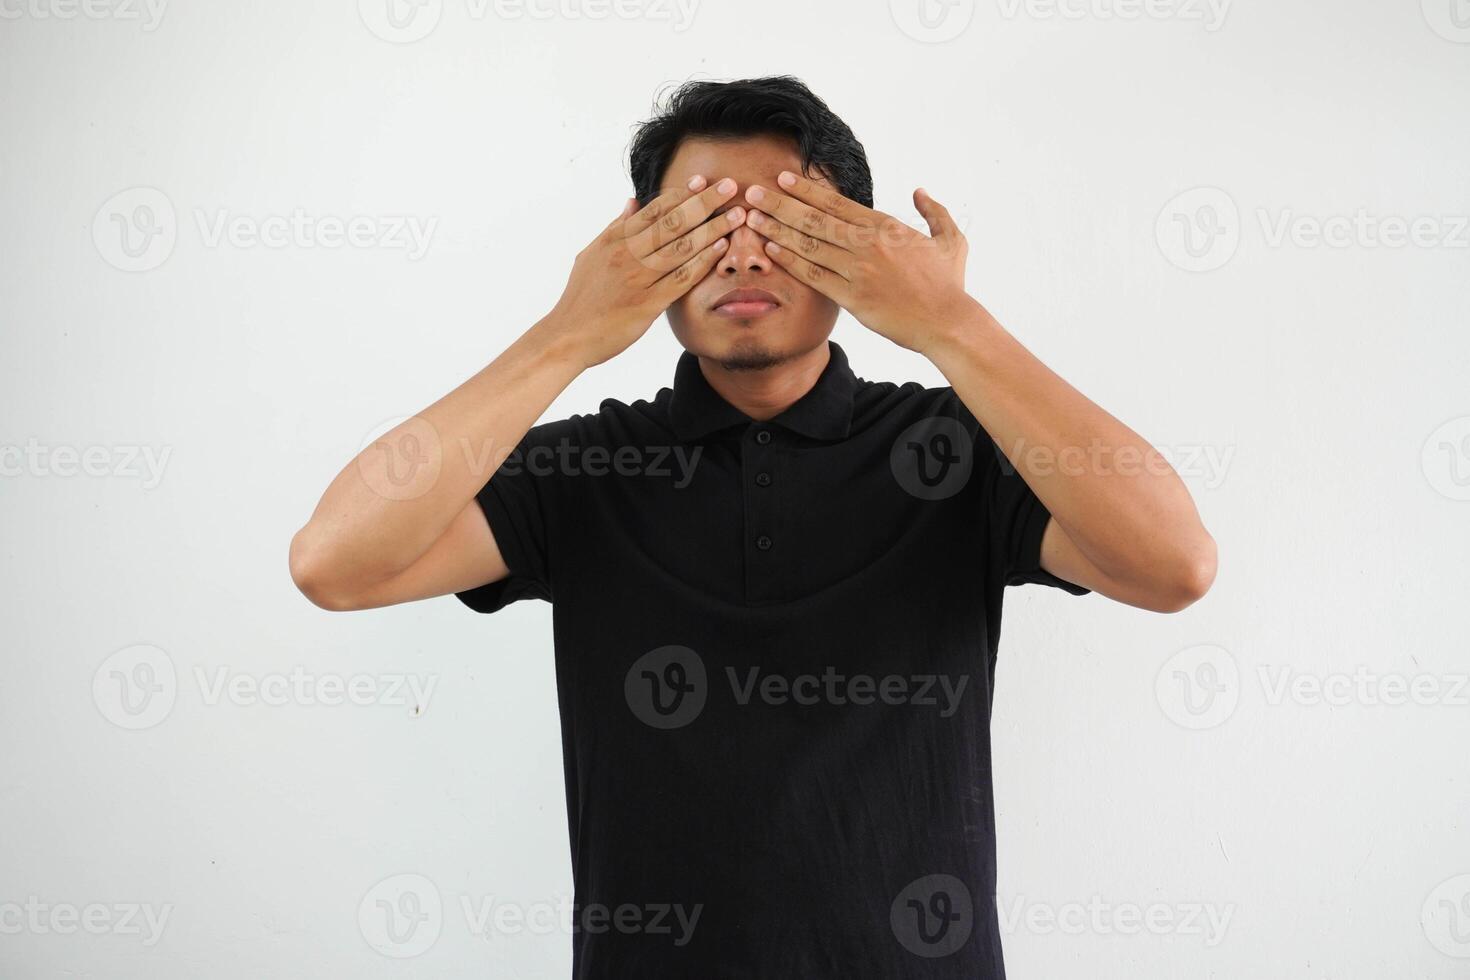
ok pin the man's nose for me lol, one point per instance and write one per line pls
(747, 253)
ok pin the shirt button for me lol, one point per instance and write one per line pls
(763, 436)
(763, 479)
(763, 543)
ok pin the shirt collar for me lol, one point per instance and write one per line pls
(825, 412)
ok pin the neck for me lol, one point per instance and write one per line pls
(767, 392)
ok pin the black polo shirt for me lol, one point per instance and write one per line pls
(775, 648)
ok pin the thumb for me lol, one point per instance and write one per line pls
(936, 215)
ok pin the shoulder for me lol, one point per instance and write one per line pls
(890, 403)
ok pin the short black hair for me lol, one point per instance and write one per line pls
(778, 105)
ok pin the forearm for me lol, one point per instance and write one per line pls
(388, 506)
(1114, 495)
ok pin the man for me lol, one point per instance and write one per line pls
(776, 587)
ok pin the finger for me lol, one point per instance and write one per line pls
(941, 226)
(663, 203)
(824, 254)
(824, 281)
(678, 251)
(680, 220)
(681, 279)
(805, 218)
(827, 199)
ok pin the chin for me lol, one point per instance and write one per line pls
(737, 345)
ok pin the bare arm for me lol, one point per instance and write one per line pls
(1123, 525)
(400, 522)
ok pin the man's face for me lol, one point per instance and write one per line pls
(748, 331)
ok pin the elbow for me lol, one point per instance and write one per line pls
(316, 575)
(1191, 577)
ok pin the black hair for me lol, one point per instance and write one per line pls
(778, 105)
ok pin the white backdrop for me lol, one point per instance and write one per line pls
(235, 239)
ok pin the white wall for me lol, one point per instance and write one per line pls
(1301, 386)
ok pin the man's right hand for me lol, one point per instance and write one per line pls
(640, 264)
(363, 547)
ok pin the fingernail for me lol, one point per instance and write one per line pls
(734, 215)
(726, 186)
(787, 179)
(756, 218)
(721, 243)
(755, 194)
(696, 182)
(772, 247)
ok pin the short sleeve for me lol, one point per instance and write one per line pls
(1017, 520)
(519, 501)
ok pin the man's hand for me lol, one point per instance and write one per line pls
(896, 281)
(641, 263)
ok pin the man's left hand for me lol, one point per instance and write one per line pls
(897, 281)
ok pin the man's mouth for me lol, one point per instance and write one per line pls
(746, 303)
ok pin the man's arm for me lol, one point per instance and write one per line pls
(400, 522)
(1123, 523)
